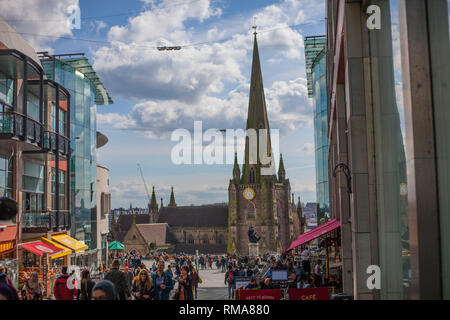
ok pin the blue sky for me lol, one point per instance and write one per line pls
(160, 91)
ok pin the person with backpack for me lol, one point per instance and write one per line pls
(85, 292)
(229, 279)
(162, 282)
(61, 289)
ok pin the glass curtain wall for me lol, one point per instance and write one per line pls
(321, 136)
(390, 160)
(83, 141)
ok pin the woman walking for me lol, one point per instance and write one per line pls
(142, 286)
(184, 291)
(32, 289)
(85, 292)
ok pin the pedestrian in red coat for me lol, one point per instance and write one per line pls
(61, 289)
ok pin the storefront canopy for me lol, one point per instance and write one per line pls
(115, 245)
(69, 242)
(40, 247)
(65, 251)
(315, 233)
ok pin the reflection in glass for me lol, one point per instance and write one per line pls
(393, 229)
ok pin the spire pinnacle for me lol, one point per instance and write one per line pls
(172, 202)
(257, 120)
(236, 170)
(254, 26)
(153, 204)
(281, 171)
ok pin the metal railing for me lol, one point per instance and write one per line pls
(50, 142)
(46, 219)
(12, 123)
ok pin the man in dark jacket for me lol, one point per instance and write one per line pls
(62, 286)
(120, 281)
(162, 282)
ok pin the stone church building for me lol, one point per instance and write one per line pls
(258, 197)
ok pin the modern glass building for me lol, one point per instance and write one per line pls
(86, 92)
(389, 116)
(316, 79)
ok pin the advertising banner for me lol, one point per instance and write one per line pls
(309, 294)
(273, 294)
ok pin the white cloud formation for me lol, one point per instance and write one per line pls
(39, 22)
(204, 82)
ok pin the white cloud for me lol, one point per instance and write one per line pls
(204, 82)
(40, 22)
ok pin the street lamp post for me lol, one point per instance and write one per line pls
(109, 238)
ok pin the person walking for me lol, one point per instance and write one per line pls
(61, 289)
(105, 290)
(162, 282)
(85, 292)
(184, 291)
(142, 288)
(32, 289)
(229, 279)
(7, 290)
(318, 274)
(195, 280)
(120, 281)
(129, 276)
(304, 257)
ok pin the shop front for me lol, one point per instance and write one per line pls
(45, 256)
(323, 243)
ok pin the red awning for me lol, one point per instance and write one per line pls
(315, 233)
(8, 233)
(40, 247)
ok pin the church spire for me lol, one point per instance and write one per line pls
(153, 204)
(281, 171)
(172, 199)
(257, 120)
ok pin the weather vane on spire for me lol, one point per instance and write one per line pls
(254, 25)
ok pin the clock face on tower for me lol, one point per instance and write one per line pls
(248, 193)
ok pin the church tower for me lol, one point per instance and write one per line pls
(259, 198)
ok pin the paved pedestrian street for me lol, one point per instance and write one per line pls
(212, 287)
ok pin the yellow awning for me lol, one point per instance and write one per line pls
(70, 242)
(63, 253)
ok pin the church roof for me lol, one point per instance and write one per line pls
(126, 220)
(157, 233)
(195, 216)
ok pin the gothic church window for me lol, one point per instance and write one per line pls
(252, 176)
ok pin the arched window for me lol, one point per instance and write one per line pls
(220, 239)
(252, 176)
(205, 239)
(191, 239)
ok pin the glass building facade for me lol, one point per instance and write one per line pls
(389, 116)
(83, 141)
(317, 89)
